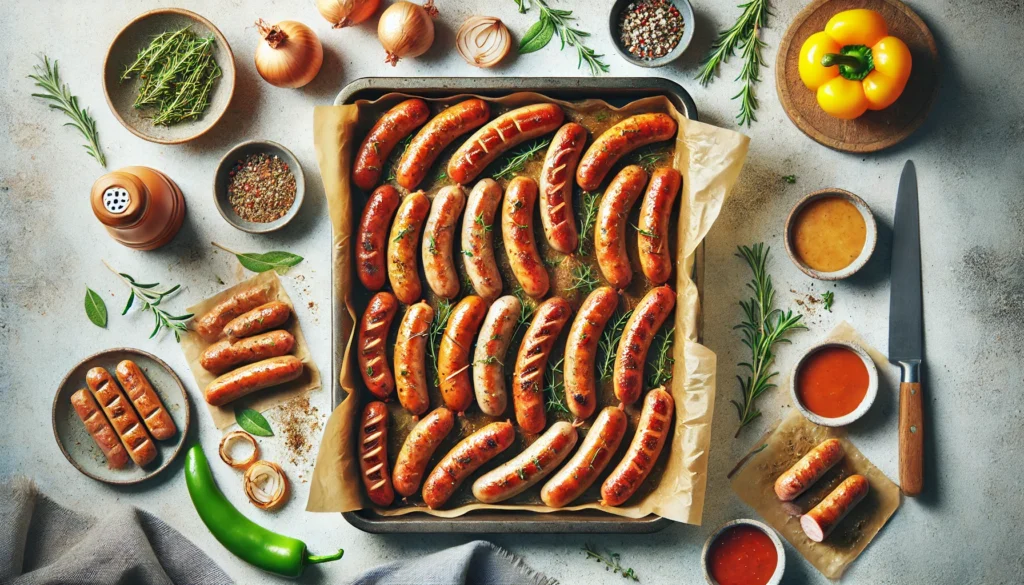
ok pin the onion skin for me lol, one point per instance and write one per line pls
(483, 41)
(249, 485)
(406, 29)
(245, 437)
(290, 54)
(342, 13)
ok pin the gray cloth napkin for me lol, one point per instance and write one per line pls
(474, 563)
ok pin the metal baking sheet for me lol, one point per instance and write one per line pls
(617, 91)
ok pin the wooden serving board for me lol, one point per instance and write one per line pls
(875, 130)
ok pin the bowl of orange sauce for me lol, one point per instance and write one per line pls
(830, 234)
(834, 383)
(743, 552)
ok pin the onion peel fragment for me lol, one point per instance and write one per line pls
(265, 485)
(225, 446)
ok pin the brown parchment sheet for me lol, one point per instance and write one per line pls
(192, 345)
(754, 482)
(709, 159)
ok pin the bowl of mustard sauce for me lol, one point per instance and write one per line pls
(831, 234)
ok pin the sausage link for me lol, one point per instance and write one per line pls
(211, 325)
(253, 377)
(418, 448)
(612, 219)
(631, 356)
(655, 218)
(581, 350)
(147, 403)
(371, 242)
(489, 357)
(99, 429)
(528, 378)
(403, 270)
(556, 182)
(410, 359)
(619, 140)
(478, 238)
(529, 467)
(390, 129)
(122, 416)
(802, 475)
(373, 454)
(439, 132)
(374, 327)
(823, 518)
(438, 240)
(263, 318)
(464, 459)
(586, 465)
(453, 355)
(499, 135)
(651, 432)
(517, 234)
(225, 354)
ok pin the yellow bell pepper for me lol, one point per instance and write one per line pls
(854, 65)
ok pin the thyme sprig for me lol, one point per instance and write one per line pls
(588, 218)
(649, 157)
(529, 307)
(743, 35)
(554, 387)
(151, 298)
(561, 21)
(47, 78)
(584, 279)
(663, 361)
(517, 162)
(609, 342)
(611, 562)
(437, 327)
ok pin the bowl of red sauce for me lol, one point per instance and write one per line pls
(743, 552)
(834, 383)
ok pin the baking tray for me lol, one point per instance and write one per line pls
(617, 91)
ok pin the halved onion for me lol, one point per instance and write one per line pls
(225, 449)
(483, 41)
(265, 485)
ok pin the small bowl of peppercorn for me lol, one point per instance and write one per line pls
(651, 33)
(258, 186)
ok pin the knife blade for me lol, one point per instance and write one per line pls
(906, 329)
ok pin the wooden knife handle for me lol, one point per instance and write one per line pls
(911, 439)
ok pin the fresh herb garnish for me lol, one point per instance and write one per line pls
(529, 307)
(584, 279)
(554, 388)
(253, 422)
(791, 179)
(518, 160)
(401, 233)
(554, 20)
(645, 233)
(648, 158)
(151, 299)
(609, 342)
(256, 262)
(587, 219)
(483, 227)
(744, 35)
(432, 245)
(47, 78)
(95, 308)
(828, 297)
(664, 361)
(437, 327)
(611, 562)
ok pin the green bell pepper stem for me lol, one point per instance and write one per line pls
(854, 61)
(830, 59)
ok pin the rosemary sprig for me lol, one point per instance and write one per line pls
(649, 157)
(611, 562)
(562, 20)
(584, 279)
(828, 297)
(588, 218)
(664, 361)
(745, 35)
(151, 298)
(517, 162)
(554, 387)
(437, 327)
(529, 307)
(47, 78)
(763, 327)
(609, 342)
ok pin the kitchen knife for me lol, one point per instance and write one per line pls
(906, 329)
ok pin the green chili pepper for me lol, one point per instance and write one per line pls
(245, 539)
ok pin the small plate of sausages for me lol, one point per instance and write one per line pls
(121, 416)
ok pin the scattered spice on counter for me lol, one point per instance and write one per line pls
(261, 188)
(650, 29)
(299, 425)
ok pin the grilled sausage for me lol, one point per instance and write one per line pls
(478, 238)
(225, 354)
(418, 448)
(619, 140)
(374, 326)
(99, 429)
(643, 325)
(403, 270)
(122, 416)
(499, 135)
(263, 318)
(439, 132)
(823, 518)
(581, 350)
(211, 325)
(147, 403)
(589, 461)
(556, 182)
(371, 242)
(410, 359)
(390, 129)
(489, 357)
(651, 432)
(528, 378)
(464, 459)
(373, 454)
(517, 234)
(453, 355)
(612, 219)
(802, 475)
(529, 467)
(655, 218)
(438, 239)
(248, 379)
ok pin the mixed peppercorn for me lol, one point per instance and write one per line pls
(650, 29)
(261, 188)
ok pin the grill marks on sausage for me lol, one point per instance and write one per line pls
(373, 443)
(556, 184)
(501, 134)
(464, 459)
(373, 334)
(527, 393)
(390, 129)
(370, 237)
(652, 431)
(643, 325)
(439, 132)
(619, 140)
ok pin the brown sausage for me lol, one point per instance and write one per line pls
(371, 242)
(99, 429)
(502, 133)
(410, 358)
(248, 379)
(612, 219)
(211, 325)
(478, 238)
(418, 448)
(586, 465)
(651, 432)
(438, 240)
(823, 518)
(147, 403)
(642, 326)
(390, 129)
(528, 378)
(619, 140)
(581, 350)
(517, 234)
(556, 182)
(802, 475)
(224, 355)
(439, 132)
(263, 318)
(374, 326)
(453, 355)
(655, 218)
(529, 467)
(403, 241)
(122, 416)
(489, 356)
(464, 459)
(373, 454)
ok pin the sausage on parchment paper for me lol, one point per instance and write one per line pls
(392, 127)
(464, 459)
(619, 140)
(802, 475)
(653, 227)
(822, 519)
(263, 318)
(253, 377)
(226, 354)
(642, 326)
(373, 454)
(439, 239)
(586, 465)
(211, 325)
(478, 238)
(454, 353)
(403, 247)
(418, 448)
(372, 354)
(556, 186)
(371, 236)
(612, 220)
(534, 351)
(581, 350)
(529, 467)
(411, 358)
(489, 356)
(433, 138)
(517, 235)
(651, 433)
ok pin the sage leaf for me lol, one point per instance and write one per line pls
(95, 308)
(128, 305)
(537, 36)
(279, 261)
(253, 423)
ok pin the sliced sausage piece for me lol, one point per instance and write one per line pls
(147, 403)
(529, 467)
(612, 219)
(489, 356)
(651, 432)
(823, 518)
(439, 132)
(478, 238)
(802, 475)
(586, 465)
(99, 429)
(374, 327)
(122, 416)
(517, 234)
(263, 318)
(581, 350)
(225, 354)
(453, 355)
(211, 325)
(411, 358)
(438, 240)
(655, 218)
(403, 243)
(373, 454)
(642, 326)
(253, 377)
(534, 352)
(390, 129)
(418, 448)
(371, 236)
(619, 140)
(464, 459)
(556, 185)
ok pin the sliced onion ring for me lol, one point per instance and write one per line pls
(265, 485)
(483, 41)
(225, 448)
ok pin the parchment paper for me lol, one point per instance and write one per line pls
(709, 159)
(192, 345)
